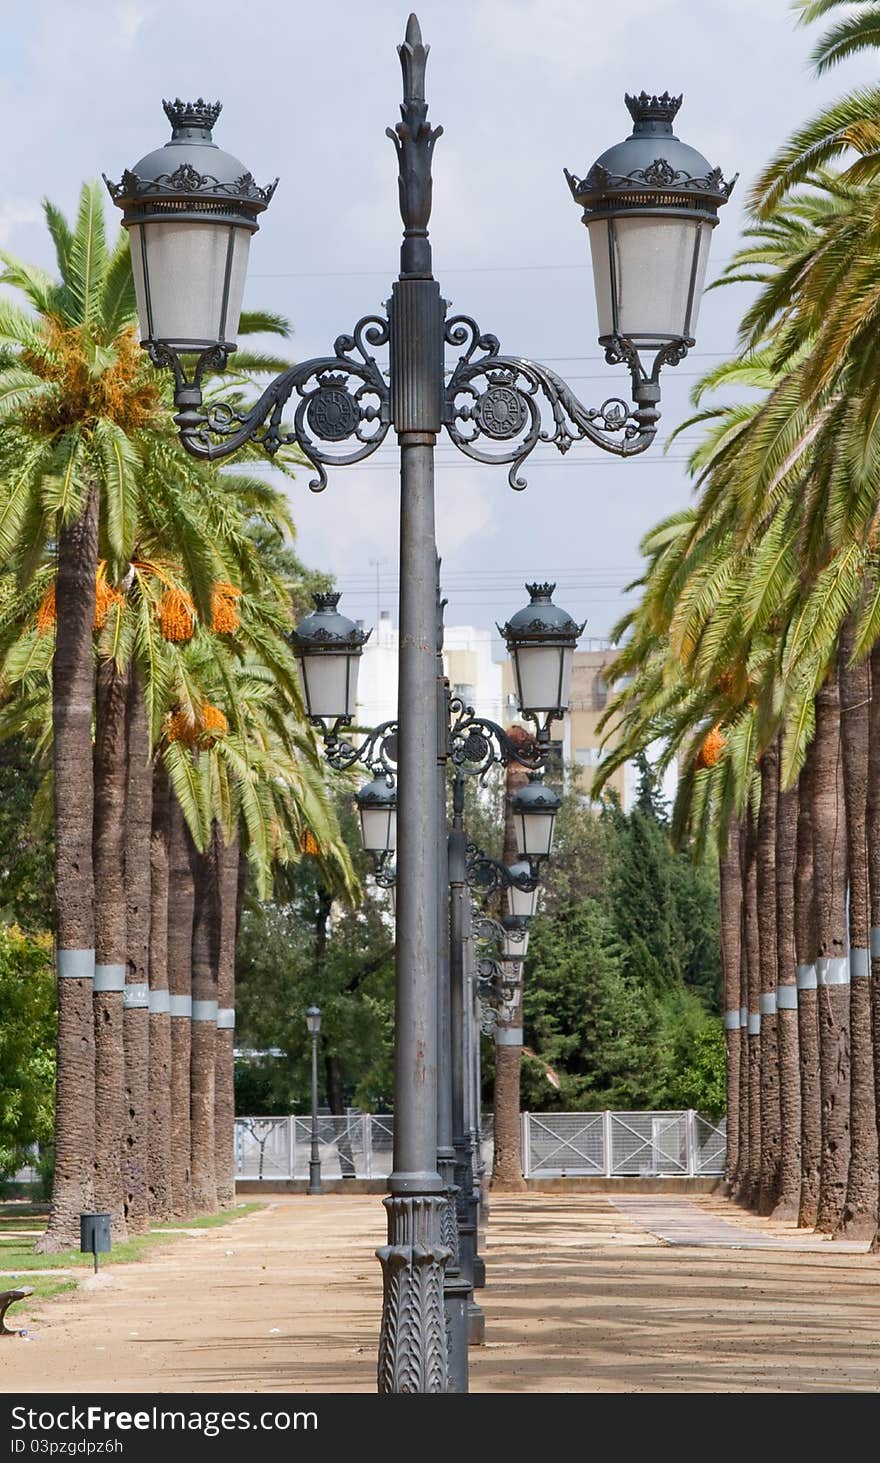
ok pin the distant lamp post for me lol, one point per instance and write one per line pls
(328, 648)
(534, 808)
(313, 1023)
(541, 640)
(377, 806)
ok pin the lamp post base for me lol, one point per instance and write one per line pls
(476, 1324)
(315, 1186)
(413, 1345)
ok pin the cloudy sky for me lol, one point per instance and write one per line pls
(522, 88)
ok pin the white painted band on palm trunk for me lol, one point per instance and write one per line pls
(832, 970)
(508, 1036)
(160, 1003)
(225, 1018)
(754, 1023)
(859, 963)
(136, 997)
(743, 1017)
(805, 976)
(875, 940)
(731, 1019)
(75, 964)
(204, 1010)
(786, 998)
(181, 1006)
(109, 978)
(767, 1003)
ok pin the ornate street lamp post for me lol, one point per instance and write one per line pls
(191, 210)
(313, 1023)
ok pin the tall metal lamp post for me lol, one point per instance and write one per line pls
(313, 1023)
(191, 209)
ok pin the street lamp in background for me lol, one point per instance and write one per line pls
(313, 1022)
(191, 209)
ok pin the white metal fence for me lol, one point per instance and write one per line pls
(555, 1145)
(612, 1144)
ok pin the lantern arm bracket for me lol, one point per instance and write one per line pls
(341, 398)
(378, 750)
(492, 398)
(477, 744)
(385, 872)
(487, 876)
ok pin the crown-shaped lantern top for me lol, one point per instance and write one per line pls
(540, 593)
(645, 109)
(198, 115)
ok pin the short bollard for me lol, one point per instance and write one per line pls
(94, 1235)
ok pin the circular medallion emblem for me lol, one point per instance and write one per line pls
(475, 748)
(501, 412)
(332, 414)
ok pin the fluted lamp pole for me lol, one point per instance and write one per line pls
(191, 210)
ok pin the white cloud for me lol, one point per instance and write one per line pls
(14, 212)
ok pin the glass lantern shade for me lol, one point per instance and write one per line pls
(534, 810)
(649, 272)
(313, 1020)
(543, 676)
(189, 279)
(328, 648)
(515, 944)
(377, 806)
(521, 903)
(329, 684)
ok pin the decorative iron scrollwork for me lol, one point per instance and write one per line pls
(378, 750)
(476, 744)
(340, 396)
(497, 398)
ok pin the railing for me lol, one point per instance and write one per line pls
(555, 1145)
(612, 1144)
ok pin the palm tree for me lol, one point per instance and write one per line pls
(859, 1216)
(771, 1117)
(788, 1202)
(136, 1017)
(829, 878)
(730, 881)
(111, 946)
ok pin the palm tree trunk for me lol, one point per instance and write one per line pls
(111, 947)
(136, 1015)
(159, 1074)
(744, 1157)
(203, 1057)
(771, 1117)
(752, 1185)
(808, 1011)
(873, 832)
(181, 900)
(73, 691)
(859, 1220)
(231, 861)
(507, 1165)
(730, 884)
(829, 876)
(788, 1203)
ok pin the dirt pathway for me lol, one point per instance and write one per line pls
(581, 1298)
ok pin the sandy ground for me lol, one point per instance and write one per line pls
(580, 1298)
